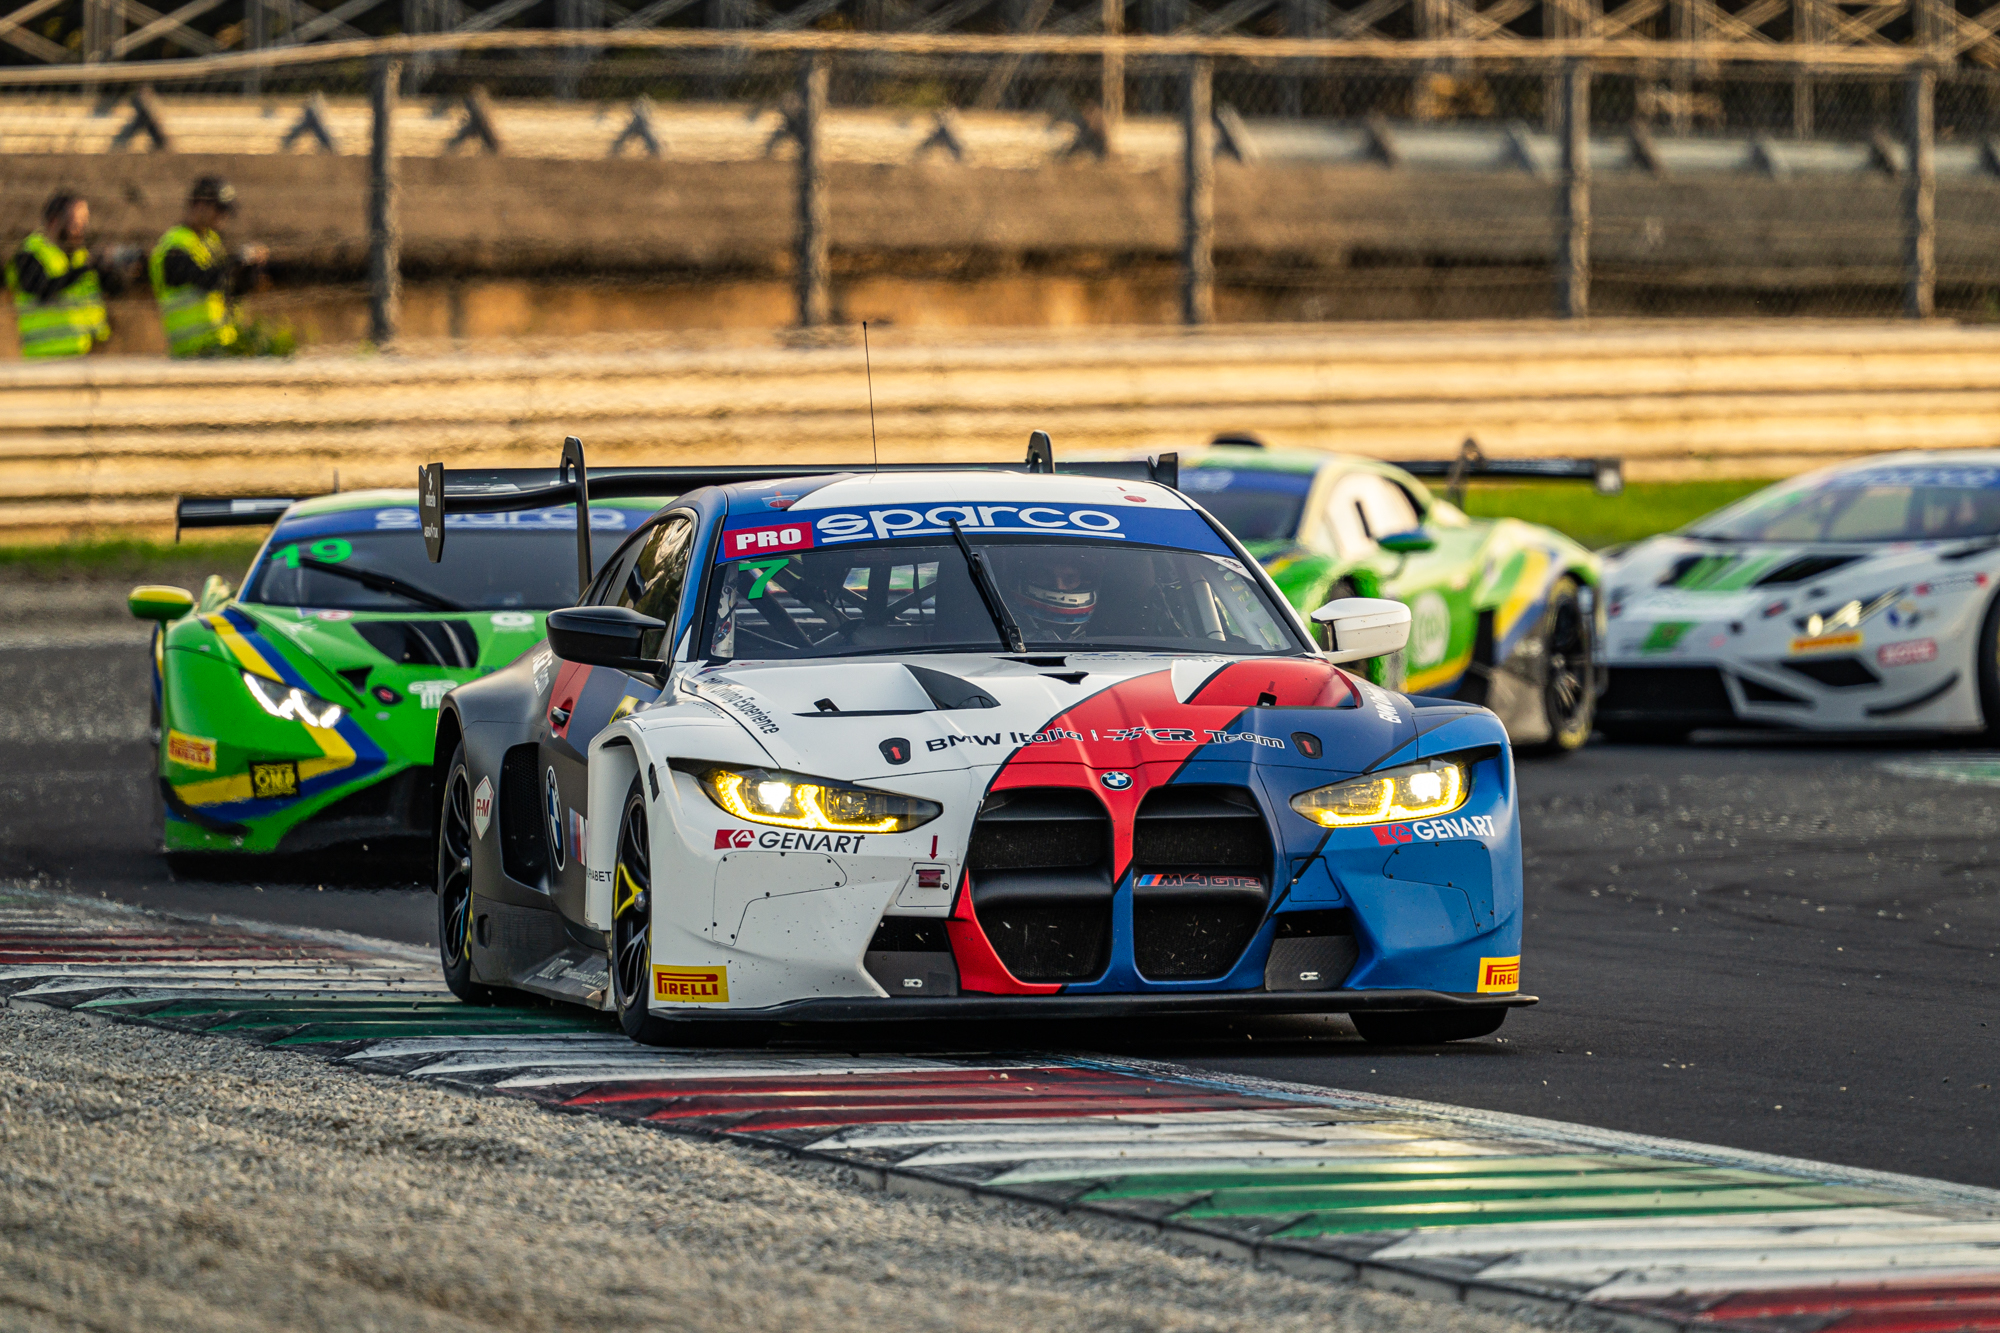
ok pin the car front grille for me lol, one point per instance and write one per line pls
(1040, 864)
(1666, 692)
(1201, 862)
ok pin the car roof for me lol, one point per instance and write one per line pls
(895, 488)
(1907, 457)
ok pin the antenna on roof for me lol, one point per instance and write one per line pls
(868, 365)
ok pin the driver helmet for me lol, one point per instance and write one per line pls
(1059, 593)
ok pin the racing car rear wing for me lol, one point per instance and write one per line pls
(1607, 475)
(216, 511)
(509, 490)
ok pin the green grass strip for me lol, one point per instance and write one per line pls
(1641, 510)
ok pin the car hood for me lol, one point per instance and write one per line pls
(1773, 590)
(1102, 710)
(458, 642)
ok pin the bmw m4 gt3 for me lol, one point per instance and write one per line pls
(970, 744)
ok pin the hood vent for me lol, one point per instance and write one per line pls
(1803, 568)
(438, 643)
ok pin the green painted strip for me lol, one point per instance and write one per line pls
(1283, 1174)
(1447, 1191)
(231, 1004)
(1581, 1210)
(326, 1032)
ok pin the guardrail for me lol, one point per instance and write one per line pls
(106, 445)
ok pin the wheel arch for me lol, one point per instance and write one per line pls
(450, 732)
(614, 763)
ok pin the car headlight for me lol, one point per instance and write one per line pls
(1414, 791)
(292, 703)
(788, 800)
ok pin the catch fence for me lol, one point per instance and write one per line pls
(1302, 176)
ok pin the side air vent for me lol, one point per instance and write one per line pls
(1312, 951)
(1201, 877)
(1839, 673)
(524, 851)
(1040, 861)
(1803, 568)
(438, 643)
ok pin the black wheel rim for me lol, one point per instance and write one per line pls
(631, 906)
(1568, 689)
(455, 867)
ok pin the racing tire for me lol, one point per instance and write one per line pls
(454, 886)
(1989, 671)
(1569, 659)
(1426, 1027)
(632, 922)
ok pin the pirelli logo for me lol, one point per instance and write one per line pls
(191, 751)
(1499, 974)
(691, 985)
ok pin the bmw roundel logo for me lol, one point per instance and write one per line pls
(552, 814)
(1115, 781)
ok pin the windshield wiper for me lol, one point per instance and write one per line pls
(383, 583)
(982, 579)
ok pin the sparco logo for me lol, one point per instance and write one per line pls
(881, 524)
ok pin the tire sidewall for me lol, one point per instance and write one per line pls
(457, 976)
(1561, 740)
(633, 1015)
(1989, 669)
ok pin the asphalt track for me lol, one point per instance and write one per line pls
(1785, 946)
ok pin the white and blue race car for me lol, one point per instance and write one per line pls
(1858, 597)
(956, 743)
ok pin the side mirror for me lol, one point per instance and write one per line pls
(1362, 627)
(1413, 542)
(157, 601)
(608, 636)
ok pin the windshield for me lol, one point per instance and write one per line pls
(1256, 506)
(896, 597)
(515, 568)
(1890, 504)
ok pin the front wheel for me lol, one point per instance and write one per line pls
(454, 885)
(1426, 1027)
(1569, 657)
(632, 921)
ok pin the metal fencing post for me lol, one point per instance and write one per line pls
(815, 307)
(1198, 194)
(385, 236)
(1573, 259)
(1920, 195)
(1112, 99)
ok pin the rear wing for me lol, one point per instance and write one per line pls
(215, 511)
(1607, 475)
(572, 482)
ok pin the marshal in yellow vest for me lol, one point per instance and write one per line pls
(70, 323)
(196, 321)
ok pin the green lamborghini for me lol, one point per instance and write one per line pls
(1502, 613)
(300, 712)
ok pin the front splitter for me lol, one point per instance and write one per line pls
(848, 1009)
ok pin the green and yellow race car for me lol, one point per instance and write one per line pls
(1502, 613)
(301, 711)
